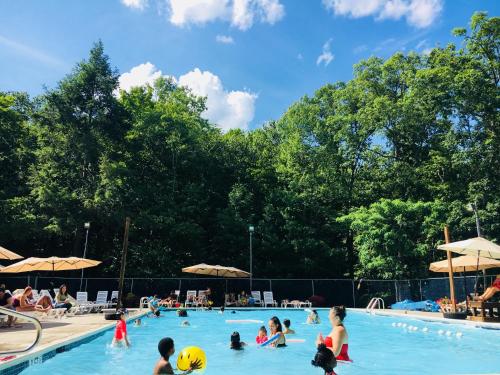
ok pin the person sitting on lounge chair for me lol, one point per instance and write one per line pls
(63, 299)
(491, 291)
(25, 302)
(6, 301)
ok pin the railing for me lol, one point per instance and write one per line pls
(375, 302)
(31, 319)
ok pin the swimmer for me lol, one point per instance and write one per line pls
(262, 335)
(120, 337)
(182, 313)
(236, 344)
(185, 323)
(275, 328)
(137, 322)
(233, 312)
(155, 314)
(221, 311)
(313, 318)
(167, 349)
(287, 330)
(325, 359)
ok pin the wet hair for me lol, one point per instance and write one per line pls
(324, 358)
(165, 346)
(276, 321)
(286, 323)
(263, 329)
(222, 308)
(314, 312)
(182, 313)
(157, 313)
(340, 312)
(235, 341)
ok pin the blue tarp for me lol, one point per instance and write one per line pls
(416, 306)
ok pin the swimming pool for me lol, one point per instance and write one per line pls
(376, 344)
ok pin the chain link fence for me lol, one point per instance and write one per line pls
(323, 292)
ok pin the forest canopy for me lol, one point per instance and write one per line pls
(357, 180)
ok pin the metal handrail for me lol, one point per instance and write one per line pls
(375, 301)
(31, 319)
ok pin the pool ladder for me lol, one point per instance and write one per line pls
(29, 318)
(375, 303)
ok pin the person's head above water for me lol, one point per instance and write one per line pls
(286, 323)
(263, 330)
(275, 325)
(166, 347)
(324, 358)
(235, 341)
(337, 314)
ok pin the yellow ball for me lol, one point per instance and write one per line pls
(190, 355)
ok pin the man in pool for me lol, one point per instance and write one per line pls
(167, 349)
(288, 330)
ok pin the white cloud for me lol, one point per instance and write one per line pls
(224, 39)
(240, 13)
(326, 56)
(226, 109)
(135, 4)
(418, 13)
(360, 49)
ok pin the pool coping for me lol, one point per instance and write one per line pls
(40, 355)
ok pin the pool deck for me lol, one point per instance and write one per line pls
(56, 332)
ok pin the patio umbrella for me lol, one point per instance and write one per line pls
(7, 254)
(466, 263)
(50, 264)
(219, 271)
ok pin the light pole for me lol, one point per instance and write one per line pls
(250, 231)
(87, 227)
(473, 207)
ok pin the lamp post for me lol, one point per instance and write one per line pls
(473, 207)
(87, 227)
(250, 231)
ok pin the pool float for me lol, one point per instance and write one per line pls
(244, 321)
(271, 340)
(190, 355)
(295, 340)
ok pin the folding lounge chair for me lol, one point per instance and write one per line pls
(190, 298)
(229, 300)
(287, 303)
(83, 306)
(56, 312)
(269, 299)
(256, 297)
(202, 298)
(101, 301)
(113, 300)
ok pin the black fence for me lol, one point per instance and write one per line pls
(326, 292)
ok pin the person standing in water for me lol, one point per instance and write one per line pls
(337, 340)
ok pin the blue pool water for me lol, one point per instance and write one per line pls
(376, 344)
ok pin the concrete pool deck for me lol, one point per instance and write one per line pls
(55, 333)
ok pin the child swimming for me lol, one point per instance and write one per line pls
(236, 344)
(167, 349)
(325, 359)
(288, 330)
(262, 335)
(137, 322)
(185, 323)
(313, 318)
(120, 337)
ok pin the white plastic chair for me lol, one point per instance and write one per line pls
(257, 297)
(101, 301)
(190, 298)
(269, 299)
(114, 295)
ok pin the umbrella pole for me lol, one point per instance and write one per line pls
(477, 273)
(450, 270)
(124, 261)
(465, 291)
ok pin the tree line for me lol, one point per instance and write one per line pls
(356, 180)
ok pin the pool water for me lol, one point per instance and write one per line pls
(376, 344)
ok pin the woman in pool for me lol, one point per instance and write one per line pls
(325, 359)
(236, 343)
(25, 302)
(313, 318)
(167, 349)
(337, 340)
(275, 328)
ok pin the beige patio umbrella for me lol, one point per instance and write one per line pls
(219, 271)
(466, 263)
(7, 254)
(477, 246)
(50, 264)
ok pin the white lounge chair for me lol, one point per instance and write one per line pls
(202, 298)
(190, 298)
(56, 312)
(256, 297)
(114, 296)
(269, 299)
(83, 305)
(101, 301)
(230, 300)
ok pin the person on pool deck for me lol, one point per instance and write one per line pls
(120, 337)
(313, 318)
(236, 343)
(262, 335)
(325, 359)
(25, 302)
(63, 298)
(167, 349)
(288, 330)
(337, 340)
(7, 301)
(491, 291)
(275, 327)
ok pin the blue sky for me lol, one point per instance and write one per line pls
(252, 58)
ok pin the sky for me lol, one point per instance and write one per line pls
(252, 59)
